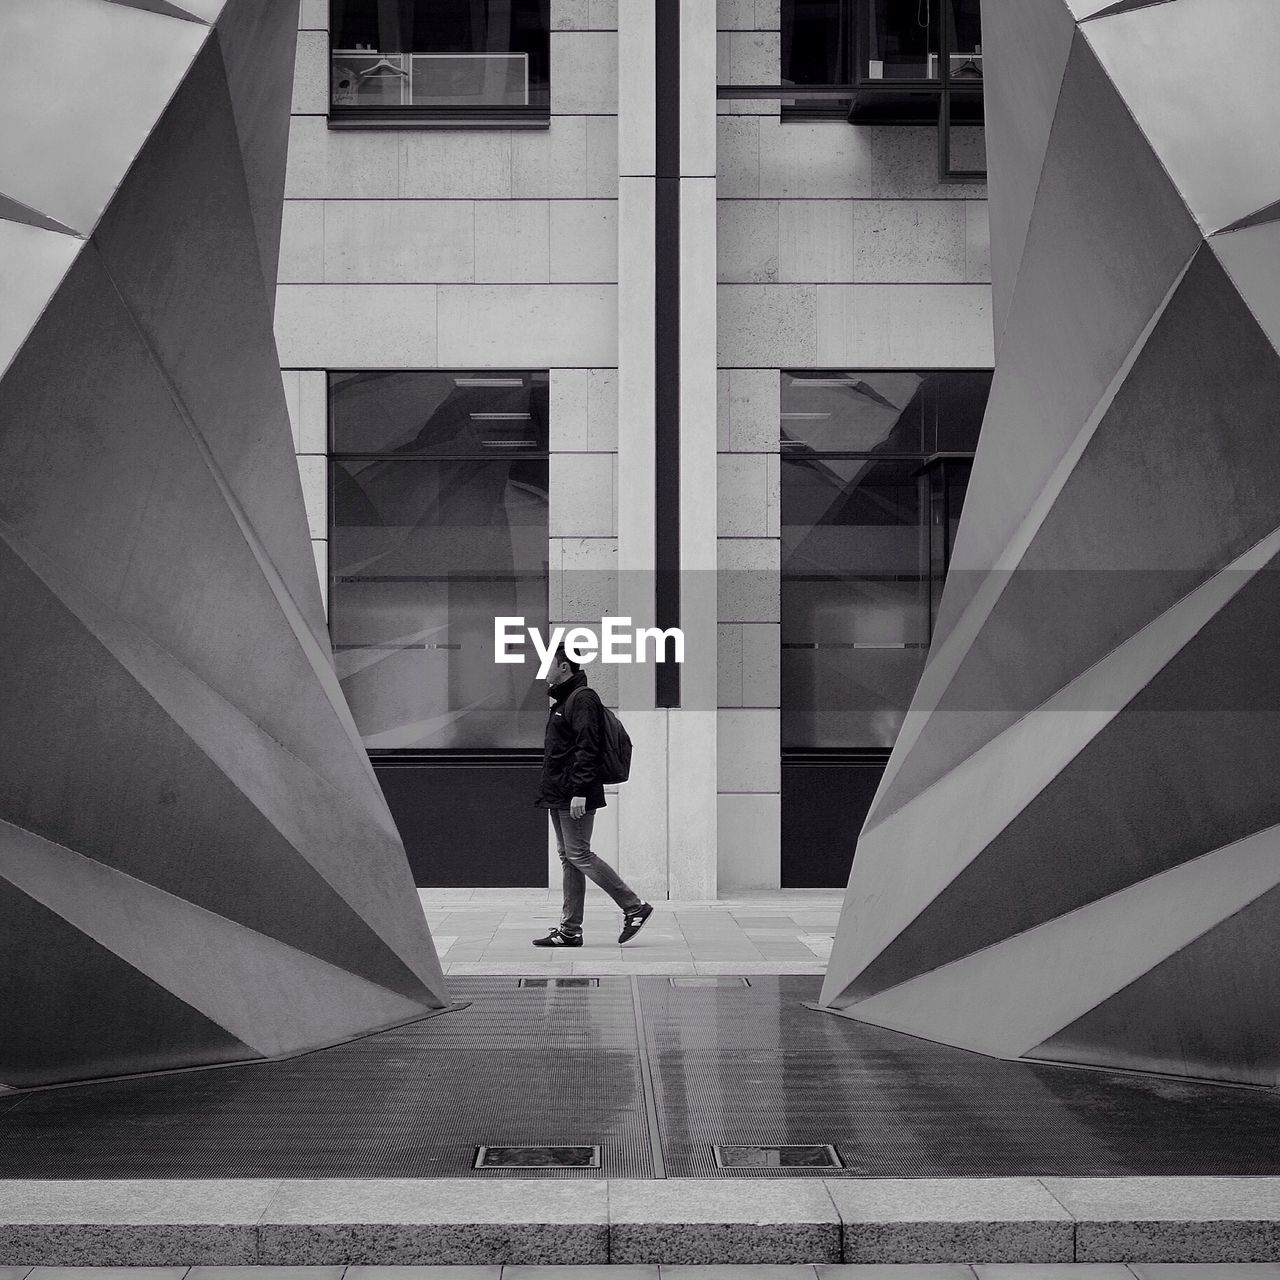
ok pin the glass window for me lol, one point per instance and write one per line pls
(874, 469)
(446, 58)
(438, 523)
(889, 54)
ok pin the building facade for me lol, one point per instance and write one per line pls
(579, 315)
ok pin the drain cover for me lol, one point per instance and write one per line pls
(558, 982)
(789, 1157)
(537, 1158)
(709, 982)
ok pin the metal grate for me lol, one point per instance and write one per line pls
(808, 1156)
(558, 982)
(710, 982)
(537, 1158)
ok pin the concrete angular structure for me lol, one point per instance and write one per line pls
(1075, 851)
(196, 862)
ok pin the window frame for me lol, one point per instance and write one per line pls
(345, 116)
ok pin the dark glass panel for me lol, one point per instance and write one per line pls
(439, 412)
(423, 555)
(853, 412)
(956, 402)
(815, 42)
(451, 54)
(855, 599)
(903, 39)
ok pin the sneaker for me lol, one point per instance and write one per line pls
(634, 920)
(558, 938)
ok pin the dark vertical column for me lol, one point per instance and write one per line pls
(667, 338)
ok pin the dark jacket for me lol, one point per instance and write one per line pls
(571, 749)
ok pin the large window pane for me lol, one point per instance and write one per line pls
(450, 55)
(854, 599)
(439, 412)
(874, 469)
(424, 552)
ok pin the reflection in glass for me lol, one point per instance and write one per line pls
(424, 552)
(438, 412)
(905, 40)
(450, 54)
(875, 465)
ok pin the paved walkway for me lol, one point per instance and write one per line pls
(490, 932)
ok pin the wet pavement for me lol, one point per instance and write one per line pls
(656, 1073)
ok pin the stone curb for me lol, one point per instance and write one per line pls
(677, 1221)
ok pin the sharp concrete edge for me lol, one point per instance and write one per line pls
(690, 1221)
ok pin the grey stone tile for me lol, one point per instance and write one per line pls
(438, 1221)
(693, 1221)
(424, 1273)
(13, 1273)
(609, 1272)
(265, 1273)
(107, 1273)
(1192, 1270)
(896, 1271)
(1172, 1219)
(952, 1220)
(755, 1271)
(1054, 1271)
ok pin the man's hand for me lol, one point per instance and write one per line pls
(577, 807)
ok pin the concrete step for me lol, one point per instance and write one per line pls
(799, 1220)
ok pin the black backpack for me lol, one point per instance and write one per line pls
(615, 743)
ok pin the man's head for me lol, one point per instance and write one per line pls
(563, 668)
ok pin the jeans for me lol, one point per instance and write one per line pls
(573, 840)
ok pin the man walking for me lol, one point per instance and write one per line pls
(572, 790)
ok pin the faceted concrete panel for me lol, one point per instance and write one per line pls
(1214, 133)
(1072, 854)
(1200, 1008)
(1195, 380)
(1252, 260)
(1026, 46)
(184, 788)
(117, 68)
(1110, 257)
(33, 262)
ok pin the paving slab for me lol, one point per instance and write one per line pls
(1205, 1270)
(896, 1271)
(755, 1271)
(107, 1273)
(264, 1273)
(1172, 1219)
(608, 1271)
(699, 1220)
(435, 1220)
(1057, 1271)
(424, 1273)
(132, 1222)
(952, 1220)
